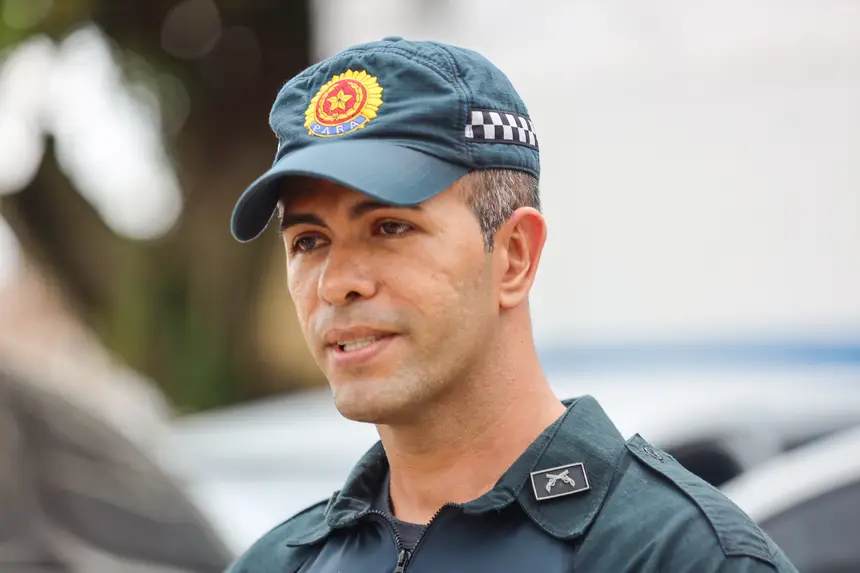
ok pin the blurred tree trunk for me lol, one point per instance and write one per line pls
(186, 310)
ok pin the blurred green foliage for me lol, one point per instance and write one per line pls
(180, 309)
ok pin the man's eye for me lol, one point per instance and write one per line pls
(305, 244)
(394, 228)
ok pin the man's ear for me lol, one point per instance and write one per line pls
(518, 246)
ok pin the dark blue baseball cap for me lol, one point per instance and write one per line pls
(399, 121)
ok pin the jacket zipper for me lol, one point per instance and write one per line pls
(402, 561)
(404, 556)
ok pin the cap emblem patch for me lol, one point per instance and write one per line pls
(347, 102)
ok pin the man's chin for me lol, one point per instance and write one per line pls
(362, 414)
(368, 405)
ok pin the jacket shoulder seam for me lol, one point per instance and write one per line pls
(722, 516)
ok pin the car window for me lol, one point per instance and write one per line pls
(821, 535)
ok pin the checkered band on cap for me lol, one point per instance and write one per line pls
(500, 127)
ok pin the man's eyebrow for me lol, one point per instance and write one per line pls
(365, 207)
(355, 212)
(291, 219)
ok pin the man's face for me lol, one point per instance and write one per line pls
(396, 304)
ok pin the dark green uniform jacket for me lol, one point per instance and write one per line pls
(580, 499)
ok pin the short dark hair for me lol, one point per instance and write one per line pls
(494, 194)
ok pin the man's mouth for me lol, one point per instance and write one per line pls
(356, 344)
(346, 345)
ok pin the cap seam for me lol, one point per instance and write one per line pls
(465, 102)
(406, 54)
(313, 70)
(301, 78)
(410, 144)
(495, 165)
(525, 115)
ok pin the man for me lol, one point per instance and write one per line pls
(406, 179)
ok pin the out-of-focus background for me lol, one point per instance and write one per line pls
(701, 178)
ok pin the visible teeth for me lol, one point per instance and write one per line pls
(351, 345)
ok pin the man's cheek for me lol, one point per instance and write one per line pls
(299, 285)
(299, 294)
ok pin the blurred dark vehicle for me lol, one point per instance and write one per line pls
(808, 501)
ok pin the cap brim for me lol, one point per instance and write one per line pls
(383, 170)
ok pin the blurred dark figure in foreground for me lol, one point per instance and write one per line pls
(78, 496)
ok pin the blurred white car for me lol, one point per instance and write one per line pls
(808, 501)
(250, 467)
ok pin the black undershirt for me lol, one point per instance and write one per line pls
(408, 532)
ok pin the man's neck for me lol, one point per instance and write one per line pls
(460, 449)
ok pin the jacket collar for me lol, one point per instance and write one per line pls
(583, 434)
(586, 435)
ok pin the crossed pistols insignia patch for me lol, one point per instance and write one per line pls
(559, 481)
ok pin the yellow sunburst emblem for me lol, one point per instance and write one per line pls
(346, 103)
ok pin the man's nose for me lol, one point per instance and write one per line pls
(346, 277)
